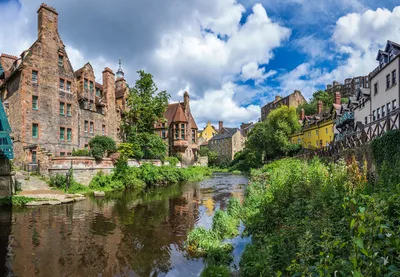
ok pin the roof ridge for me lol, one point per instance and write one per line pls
(9, 56)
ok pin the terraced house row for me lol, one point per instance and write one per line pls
(53, 109)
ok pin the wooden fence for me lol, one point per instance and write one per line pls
(360, 137)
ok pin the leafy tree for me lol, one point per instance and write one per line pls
(101, 146)
(310, 108)
(145, 106)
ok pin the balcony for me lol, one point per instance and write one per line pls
(181, 143)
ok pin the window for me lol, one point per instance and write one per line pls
(376, 88)
(326, 130)
(387, 81)
(373, 116)
(34, 157)
(98, 93)
(366, 120)
(35, 130)
(91, 86)
(69, 134)
(62, 133)
(62, 108)
(316, 132)
(69, 113)
(34, 76)
(383, 111)
(393, 77)
(62, 84)
(62, 154)
(394, 106)
(182, 131)
(388, 107)
(378, 113)
(86, 146)
(60, 60)
(86, 125)
(103, 130)
(316, 143)
(193, 136)
(176, 131)
(163, 134)
(35, 105)
(68, 86)
(85, 83)
(91, 127)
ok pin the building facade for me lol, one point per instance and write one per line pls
(208, 132)
(52, 108)
(227, 143)
(179, 131)
(350, 86)
(317, 130)
(293, 100)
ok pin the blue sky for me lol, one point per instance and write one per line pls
(231, 56)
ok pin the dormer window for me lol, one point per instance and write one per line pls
(60, 60)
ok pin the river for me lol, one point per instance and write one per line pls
(123, 234)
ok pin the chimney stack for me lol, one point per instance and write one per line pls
(337, 98)
(47, 23)
(186, 101)
(319, 108)
(302, 114)
(220, 126)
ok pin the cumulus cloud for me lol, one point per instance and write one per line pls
(357, 38)
(252, 71)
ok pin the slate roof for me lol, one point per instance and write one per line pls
(225, 133)
(175, 113)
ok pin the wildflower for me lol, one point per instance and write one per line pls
(385, 260)
(388, 235)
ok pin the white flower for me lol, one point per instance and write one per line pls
(388, 235)
(335, 273)
(385, 260)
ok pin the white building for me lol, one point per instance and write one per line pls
(384, 93)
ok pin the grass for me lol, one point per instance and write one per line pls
(18, 201)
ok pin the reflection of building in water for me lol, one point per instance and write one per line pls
(209, 204)
(5, 230)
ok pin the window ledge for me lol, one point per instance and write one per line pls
(391, 86)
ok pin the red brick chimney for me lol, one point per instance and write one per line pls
(220, 126)
(319, 108)
(302, 114)
(337, 98)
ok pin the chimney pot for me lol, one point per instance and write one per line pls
(220, 125)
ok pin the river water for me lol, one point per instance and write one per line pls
(123, 234)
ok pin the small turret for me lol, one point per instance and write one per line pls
(120, 72)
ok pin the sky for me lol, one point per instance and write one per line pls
(232, 56)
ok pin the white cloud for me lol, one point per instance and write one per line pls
(252, 71)
(219, 105)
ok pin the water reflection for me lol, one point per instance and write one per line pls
(5, 230)
(123, 234)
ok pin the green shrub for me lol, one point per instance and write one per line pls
(224, 225)
(101, 146)
(60, 180)
(173, 161)
(81, 153)
(201, 240)
(216, 271)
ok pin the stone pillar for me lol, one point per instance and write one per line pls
(5, 178)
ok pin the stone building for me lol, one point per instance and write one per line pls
(180, 131)
(227, 142)
(53, 109)
(350, 86)
(293, 100)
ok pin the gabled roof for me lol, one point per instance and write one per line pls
(362, 92)
(225, 133)
(179, 115)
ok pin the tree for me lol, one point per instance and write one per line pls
(101, 146)
(145, 106)
(270, 137)
(310, 108)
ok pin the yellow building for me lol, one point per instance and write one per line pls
(208, 132)
(317, 131)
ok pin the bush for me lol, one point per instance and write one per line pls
(216, 271)
(60, 180)
(101, 146)
(173, 161)
(81, 153)
(224, 225)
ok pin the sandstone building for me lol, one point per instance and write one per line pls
(293, 100)
(227, 142)
(53, 109)
(180, 131)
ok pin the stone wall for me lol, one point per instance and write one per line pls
(5, 178)
(202, 161)
(85, 168)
